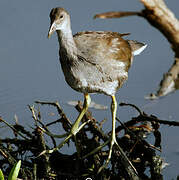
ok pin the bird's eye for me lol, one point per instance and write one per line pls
(61, 16)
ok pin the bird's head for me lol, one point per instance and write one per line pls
(60, 20)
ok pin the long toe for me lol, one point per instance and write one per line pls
(113, 141)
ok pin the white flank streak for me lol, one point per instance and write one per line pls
(138, 51)
(119, 64)
(84, 83)
(114, 41)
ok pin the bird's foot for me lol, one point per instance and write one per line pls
(125, 161)
(96, 150)
(74, 130)
(58, 147)
(113, 141)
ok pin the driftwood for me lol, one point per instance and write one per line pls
(27, 145)
(159, 16)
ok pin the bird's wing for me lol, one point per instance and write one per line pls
(95, 47)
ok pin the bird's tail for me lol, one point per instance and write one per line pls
(137, 47)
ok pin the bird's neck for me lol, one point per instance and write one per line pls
(66, 42)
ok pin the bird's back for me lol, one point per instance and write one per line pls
(101, 47)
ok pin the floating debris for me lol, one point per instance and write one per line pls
(92, 105)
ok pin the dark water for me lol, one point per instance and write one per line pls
(29, 67)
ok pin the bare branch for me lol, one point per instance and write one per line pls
(114, 14)
(159, 16)
(169, 83)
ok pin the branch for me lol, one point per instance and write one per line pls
(169, 83)
(114, 14)
(144, 117)
(159, 16)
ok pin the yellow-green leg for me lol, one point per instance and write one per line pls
(75, 128)
(126, 161)
(113, 135)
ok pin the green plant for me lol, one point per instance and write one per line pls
(14, 172)
(1, 175)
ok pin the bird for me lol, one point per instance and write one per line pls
(93, 62)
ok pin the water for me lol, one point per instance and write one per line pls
(29, 66)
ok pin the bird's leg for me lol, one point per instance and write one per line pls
(113, 135)
(75, 128)
(125, 161)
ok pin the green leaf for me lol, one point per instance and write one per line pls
(15, 171)
(1, 175)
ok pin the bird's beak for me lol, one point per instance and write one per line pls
(52, 29)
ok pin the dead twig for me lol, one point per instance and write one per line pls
(44, 129)
(90, 155)
(144, 117)
(138, 138)
(59, 109)
(14, 129)
(114, 14)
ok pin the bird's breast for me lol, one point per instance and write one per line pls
(86, 77)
